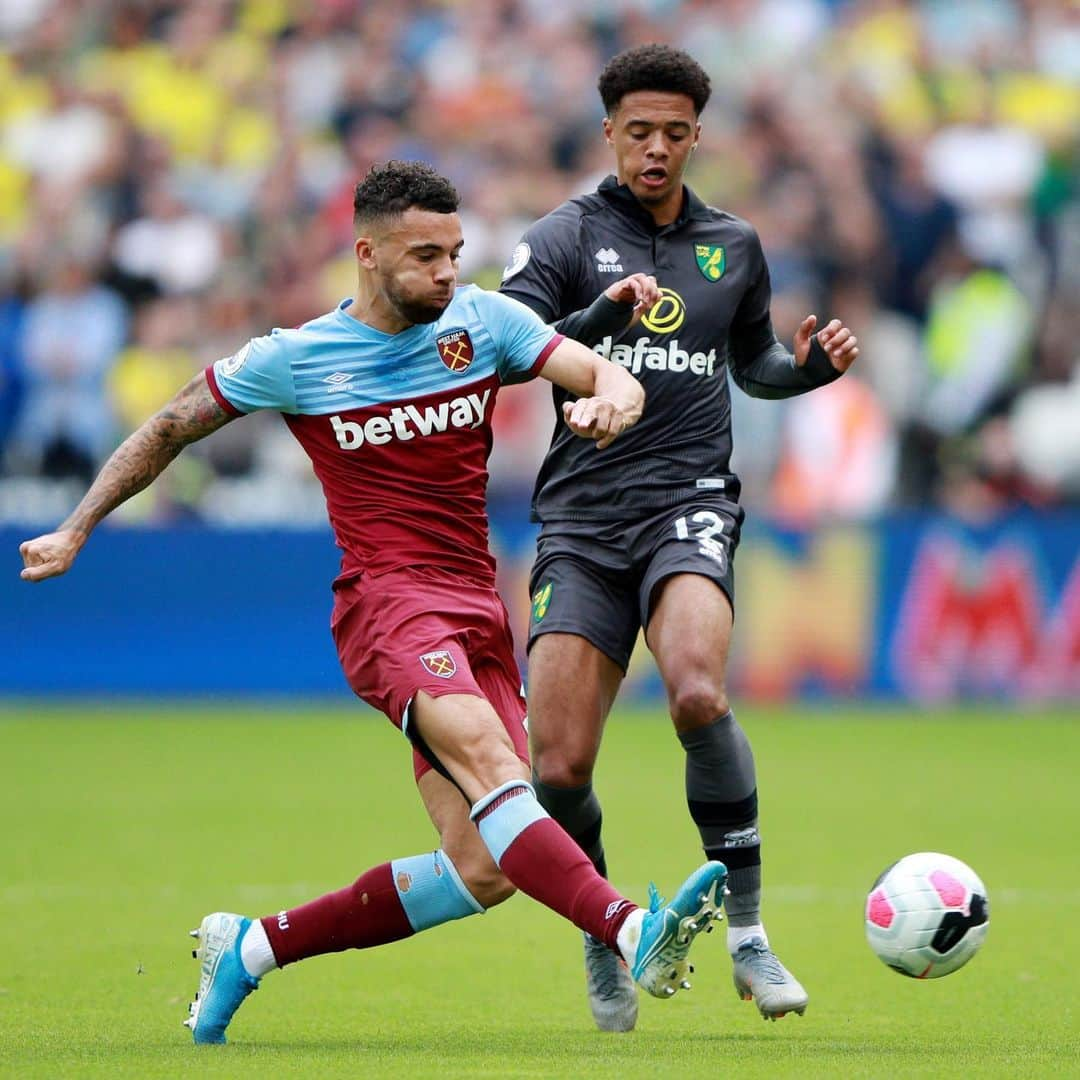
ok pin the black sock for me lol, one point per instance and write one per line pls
(721, 792)
(577, 810)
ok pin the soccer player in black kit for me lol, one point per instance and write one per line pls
(644, 535)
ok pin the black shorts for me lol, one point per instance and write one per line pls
(598, 579)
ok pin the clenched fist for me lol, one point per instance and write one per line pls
(595, 418)
(49, 555)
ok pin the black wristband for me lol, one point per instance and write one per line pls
(819, 368)
(602, 318)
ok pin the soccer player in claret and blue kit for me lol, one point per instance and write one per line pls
(391, 395)
(644, 537)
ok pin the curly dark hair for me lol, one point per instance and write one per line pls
(653, 67)
(391, 189)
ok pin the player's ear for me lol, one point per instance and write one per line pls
(365, 252)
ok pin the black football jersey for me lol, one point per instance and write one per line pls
(713, 314)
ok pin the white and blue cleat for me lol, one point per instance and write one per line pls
(223, 980)
(668, 930)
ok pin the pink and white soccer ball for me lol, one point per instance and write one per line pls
(927, 915)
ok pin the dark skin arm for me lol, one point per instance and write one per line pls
(191, 415)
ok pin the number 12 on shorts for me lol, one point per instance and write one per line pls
(712, 525)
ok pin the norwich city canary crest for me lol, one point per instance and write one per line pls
(540, 601)
(711, 260)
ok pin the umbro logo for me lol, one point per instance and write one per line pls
(614, 908)
(339, 381)
(607, 261)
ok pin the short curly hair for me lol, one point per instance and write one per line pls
(653, 67)
(391, 189)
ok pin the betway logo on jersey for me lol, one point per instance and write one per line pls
(405, 422)
(643, 355)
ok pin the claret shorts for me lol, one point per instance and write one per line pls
(405, 631)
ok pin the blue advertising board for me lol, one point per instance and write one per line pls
(919, 607)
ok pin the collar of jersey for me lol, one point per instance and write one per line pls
(363, 329)
(625, 200)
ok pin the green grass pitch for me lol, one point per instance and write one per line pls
(123, 825)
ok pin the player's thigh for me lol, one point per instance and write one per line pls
(583, 626)
(687, 597)
(689, 635)
(496, 671)
(690, 630)
(466, 736)
(572, 686)
(449, 813)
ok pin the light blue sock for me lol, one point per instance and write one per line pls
(504, 814)
(431, 890)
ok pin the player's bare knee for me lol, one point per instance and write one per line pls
(697, 700)
(559, 768)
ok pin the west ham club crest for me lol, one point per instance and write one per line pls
(440, 663)
(455, 350)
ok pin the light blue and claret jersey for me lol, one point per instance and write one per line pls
(397, 426)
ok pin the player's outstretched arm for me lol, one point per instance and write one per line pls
(135, 464)
(610, 399)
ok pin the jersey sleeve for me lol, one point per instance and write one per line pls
(258, 376)
(543, 272)
(751, 329)
(522, 341)
(760, 365)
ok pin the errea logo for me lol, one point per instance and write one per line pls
(405, 422)
(607, 261)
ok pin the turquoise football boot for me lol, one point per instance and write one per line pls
(668, 930)
(223, 980)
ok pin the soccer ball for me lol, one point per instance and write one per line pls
(927, 915)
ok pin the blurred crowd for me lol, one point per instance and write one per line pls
(176, 177)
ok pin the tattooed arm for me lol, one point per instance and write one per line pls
(135, 464)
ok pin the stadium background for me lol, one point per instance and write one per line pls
(176, 177)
